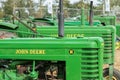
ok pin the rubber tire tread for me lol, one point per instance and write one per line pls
(116, 73)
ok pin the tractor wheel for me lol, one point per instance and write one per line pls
(116, 74)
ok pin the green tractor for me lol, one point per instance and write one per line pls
(110, 20)
(51, 58)
(28, 29)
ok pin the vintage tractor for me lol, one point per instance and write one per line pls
(108, 33)
(51, 58)
(110, 20)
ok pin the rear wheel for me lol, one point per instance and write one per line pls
(116, 74)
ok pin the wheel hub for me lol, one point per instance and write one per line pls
(113, 78)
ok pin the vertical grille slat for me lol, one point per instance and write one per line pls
(89, 64)
(107, 47)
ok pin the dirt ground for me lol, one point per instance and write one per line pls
(117, 59)
(5, 34)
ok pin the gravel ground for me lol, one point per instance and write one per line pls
(117, 59)
(5, 34)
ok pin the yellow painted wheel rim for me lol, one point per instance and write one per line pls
(117, 45)
(107, 78)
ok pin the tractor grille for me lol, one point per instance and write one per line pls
(90, 64)
(108, 55)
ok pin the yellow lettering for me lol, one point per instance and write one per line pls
(21, 51)
(37, 51)
(55, 35)
(70, 35)
(74, 35)
(32, 51)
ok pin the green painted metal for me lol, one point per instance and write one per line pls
(83, 57)
(82, 17)
(42, 23)
(108, 33)
(110, 20)
(45, 21)
(118, 29)
(71, 30)
(8, 25)
(107, 20)
(78, 23)
(23, 31)
(85, 53)
(10, 73)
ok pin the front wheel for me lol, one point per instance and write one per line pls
(116, 74)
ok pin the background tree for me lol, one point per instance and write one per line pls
(8, 7)
(114, 3)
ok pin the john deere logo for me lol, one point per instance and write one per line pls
(71, 52)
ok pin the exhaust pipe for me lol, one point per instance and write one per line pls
(60, 19)
(91, 13)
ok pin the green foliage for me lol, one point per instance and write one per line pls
(66, 3)
(114, 3)
(8, 7)
(1, 14)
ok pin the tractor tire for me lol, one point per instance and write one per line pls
(116, 74)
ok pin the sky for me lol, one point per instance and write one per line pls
(74, 1)
(94, 1)
(71, 1)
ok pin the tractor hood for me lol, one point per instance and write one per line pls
(8, 25)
